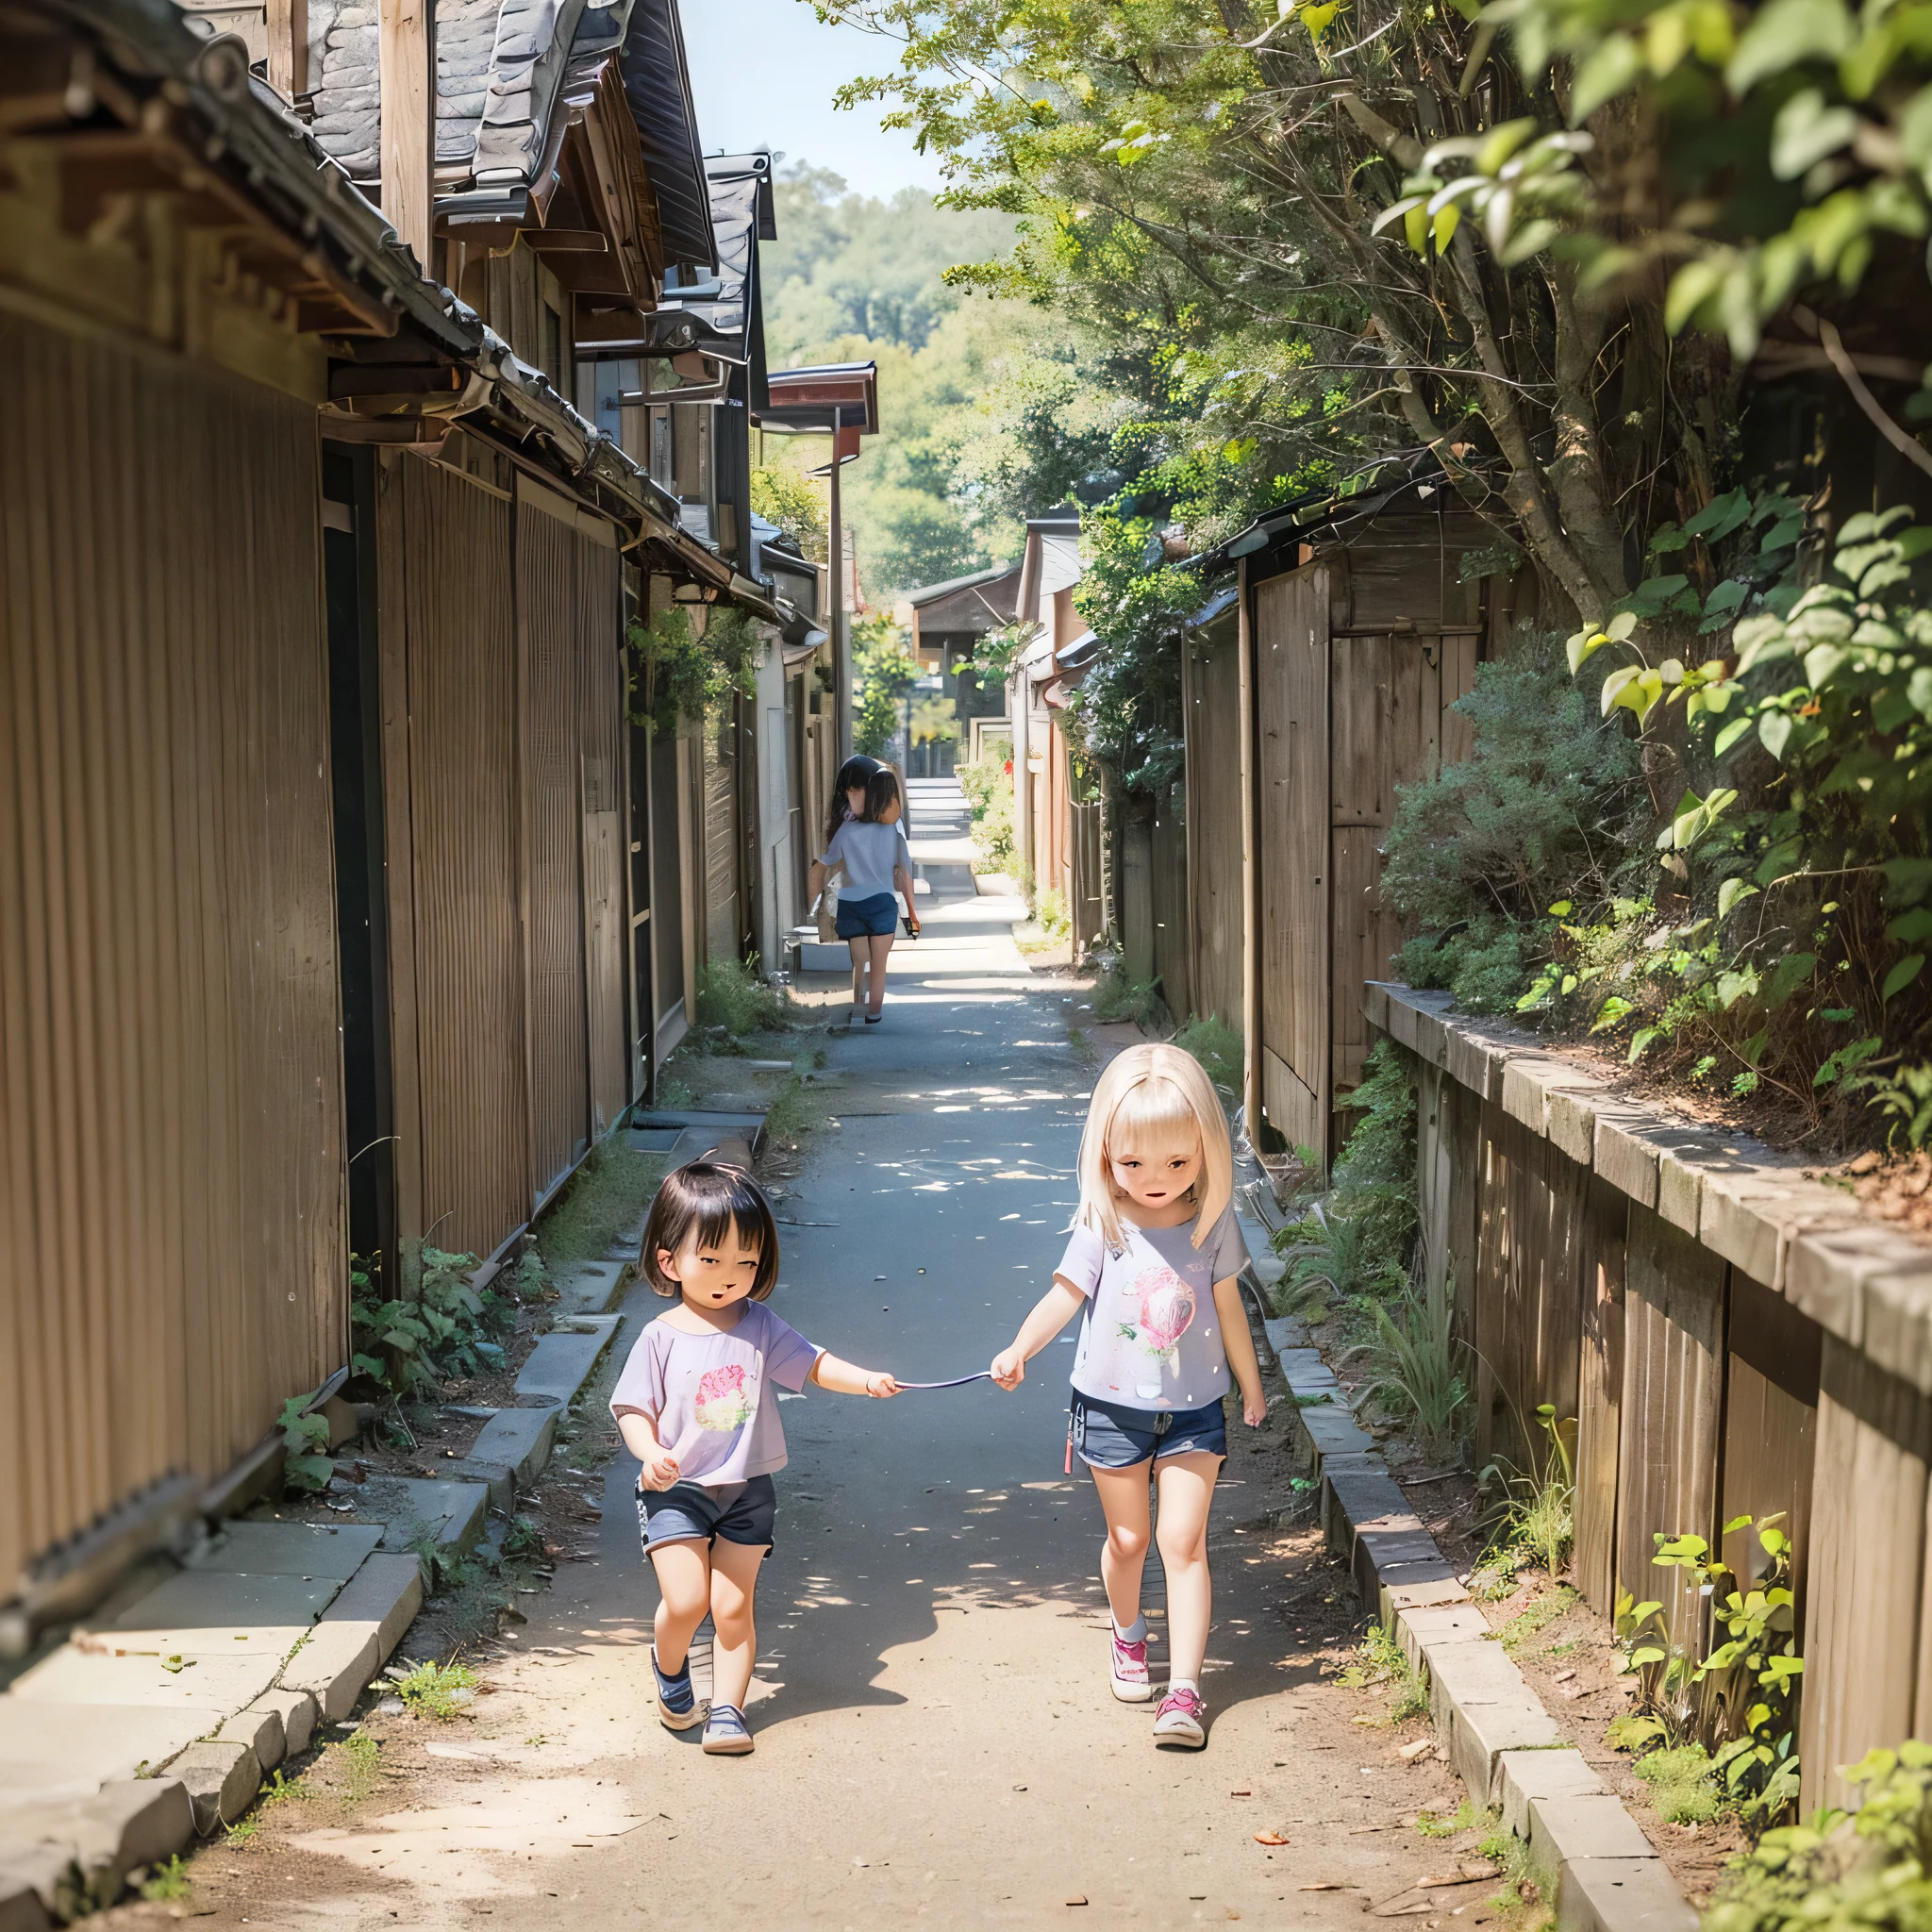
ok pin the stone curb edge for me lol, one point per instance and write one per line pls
(1494, 1728)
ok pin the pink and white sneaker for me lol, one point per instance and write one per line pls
(1179, 1721)
(1130, 1680)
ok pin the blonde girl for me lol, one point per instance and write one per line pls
(1151, 1270)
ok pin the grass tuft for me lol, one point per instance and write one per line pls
(432, 1689)
(1121, 997)
(1218, 1047)
(606, 1194)
(731, 995)
(1381, 1664)
(1532, 1622)
(1680, 1784)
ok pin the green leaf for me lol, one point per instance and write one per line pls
(1502, 143)
(1667, 540)
(1793, 970)
(1732, 732)
(1775, 732)
(1903, 974)
(1806, 131)
(1731, 892)
(1785, 33)
(1610, 71)
(1720, 516)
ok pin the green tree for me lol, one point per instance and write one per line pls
(884, 669)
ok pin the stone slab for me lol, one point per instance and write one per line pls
(1419, 1627)
(223, 1777)
(201, 1612)
(498, 1478)
(364, 1625)
(212, 1684)
(1402, 1593)
(321, 1551)
(560, 1364)
(259, 1726)
(1621, 1895)
(1479, 1734)
(296, 1711)
(1334, 1432)
(589, 1288)
(453, 1513)
(520, 1437)
(1586, 1825)
(21, 1910)
(91, 1745)
(74, 1855)
(1531, 1777)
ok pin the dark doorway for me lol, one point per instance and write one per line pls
(348, 540)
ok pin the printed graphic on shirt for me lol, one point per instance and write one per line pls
(722, 1403)
(1166, 1306)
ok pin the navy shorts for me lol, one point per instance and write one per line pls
(878, 915)
(739, 1512)
(1112, 1436)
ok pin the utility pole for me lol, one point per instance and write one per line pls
(841, 641)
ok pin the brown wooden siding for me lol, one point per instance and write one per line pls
(722, 841)
(171, 1158)
(1210, 697)
(448, 609)
(602, 757)
(551, 643)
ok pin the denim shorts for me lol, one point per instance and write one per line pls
(739, 1512)
(1111, 1436)
(878, 915)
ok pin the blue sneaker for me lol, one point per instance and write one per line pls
(727, 1734)
(677, 1704)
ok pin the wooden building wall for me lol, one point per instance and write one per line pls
(502, 753)
(1211, 709)
(171, 1147)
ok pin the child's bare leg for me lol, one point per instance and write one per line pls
(1124, 1555)
(684, 1586)
(1186, 1484)
(858, 951)
(880, 944)
(734, 1584)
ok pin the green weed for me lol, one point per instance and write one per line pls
(1536, 1518)
(167, 1884)
(360, 1756)
(796, 1112)
(1121, 998)
(431, 1690)
(1052, 916)
(1380, 1663)
(1537, 1618)
(1520, 1884)
(1218, 1047)
(280, 1791)
(1681, 1785)
(731, 994)
(242, 1833)
(1084, 1049)
(607, 1194)
(1437, 1824)
(1414, 1365)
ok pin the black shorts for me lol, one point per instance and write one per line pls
(687, 1513)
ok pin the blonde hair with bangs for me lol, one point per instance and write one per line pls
(1150, 1089)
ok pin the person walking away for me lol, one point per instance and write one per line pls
(695, 1405)
(877, 862)
(847, 803)
(1151, 1270)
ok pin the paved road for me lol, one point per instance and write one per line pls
(935, 1735)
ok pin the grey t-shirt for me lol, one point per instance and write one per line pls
(1150, 1337)
(706, 1397)
(869, 853)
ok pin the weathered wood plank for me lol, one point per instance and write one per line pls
(1600, 1392)
(1674, 1308)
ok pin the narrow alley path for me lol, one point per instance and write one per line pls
(935, 1733)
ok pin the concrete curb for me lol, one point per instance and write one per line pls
(1505, 1745)
(562, 1362)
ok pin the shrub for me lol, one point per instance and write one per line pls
(988, 783)
(731, 994)
(1542, 810)
(1052, 916)
(1218, 1047)
(1680, 1784)
(438, 1330)
(1414, 1365)
(1121, 997)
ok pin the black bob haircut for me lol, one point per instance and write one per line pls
(881, 793)
(711, 1199)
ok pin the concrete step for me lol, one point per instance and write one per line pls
(589, 1288)
(449, 1511)
(62, 1859)
(364, 1625)
(563, 1361)
(521, 1437)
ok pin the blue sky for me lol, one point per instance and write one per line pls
(765, 73)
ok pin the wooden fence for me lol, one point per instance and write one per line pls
(1730, 1339)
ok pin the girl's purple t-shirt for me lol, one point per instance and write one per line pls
(706, 1397)
(1150, 1335)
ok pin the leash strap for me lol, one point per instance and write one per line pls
(958, 1381)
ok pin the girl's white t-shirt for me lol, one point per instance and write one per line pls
(1150, 1336)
